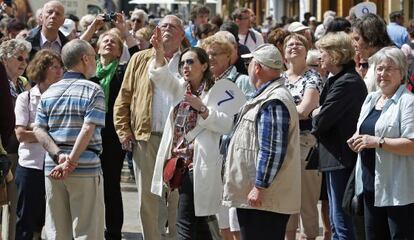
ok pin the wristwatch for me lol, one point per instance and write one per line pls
(381, 142)
(203, 109)
(55, 157)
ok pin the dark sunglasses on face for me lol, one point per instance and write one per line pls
(22, 59)
(189, 62)
(364, 65)
(136, 20)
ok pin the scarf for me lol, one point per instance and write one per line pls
(106, 74)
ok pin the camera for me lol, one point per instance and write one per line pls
(108, 17)
(8, 2)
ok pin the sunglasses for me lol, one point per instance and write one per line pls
(136, 20)
(22, 59)
(189, 62)
(364, 65)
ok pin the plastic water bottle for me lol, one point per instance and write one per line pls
(183, 110)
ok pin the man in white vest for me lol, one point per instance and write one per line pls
(262, 169)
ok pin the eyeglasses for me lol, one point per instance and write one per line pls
(313, 65)
(136, 20)
(215, 54)
(364, 65)
(55, 67)
(385, 70)
(247, 62)
(294, 44)
(22, 59)
(189, 62)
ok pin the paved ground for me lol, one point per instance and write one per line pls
(131, 229)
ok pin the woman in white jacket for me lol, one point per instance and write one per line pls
(200, 192)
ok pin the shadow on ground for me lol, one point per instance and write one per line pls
(131, 236)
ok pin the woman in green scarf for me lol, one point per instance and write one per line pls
(109, 74)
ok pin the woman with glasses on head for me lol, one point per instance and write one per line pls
(384, 141)
(200, 192)
(305, 84)
(44, 70)
(334, 122)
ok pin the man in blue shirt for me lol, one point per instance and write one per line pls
(199, 15)
(69, 119)
(396, 30)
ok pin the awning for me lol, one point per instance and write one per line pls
(166, 1)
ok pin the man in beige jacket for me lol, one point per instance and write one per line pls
(140, 113)
(262, 174)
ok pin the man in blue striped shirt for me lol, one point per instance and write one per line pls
(262, 174)
(69, 119)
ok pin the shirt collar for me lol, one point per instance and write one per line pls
(35, 91)
(43, 39)
(263, 87)
(73, 75)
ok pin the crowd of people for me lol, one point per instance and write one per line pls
(316, 113)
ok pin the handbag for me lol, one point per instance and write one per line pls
(174, 170)
(176, 167)
(352, 204)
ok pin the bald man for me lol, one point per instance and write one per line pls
(47, 35)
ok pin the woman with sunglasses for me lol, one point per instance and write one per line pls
(14, 55)
(44, 70)
(305, 85)
(200, 192)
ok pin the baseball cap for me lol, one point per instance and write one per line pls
(297, 27)
(67, 27)
(268, 55)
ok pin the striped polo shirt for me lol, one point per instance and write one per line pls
(63, 109)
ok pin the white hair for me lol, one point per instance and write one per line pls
(227, 35)
(141, 14)
(12, 47)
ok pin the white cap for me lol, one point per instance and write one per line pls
(297, 27)
(67, 27)
(268, 55)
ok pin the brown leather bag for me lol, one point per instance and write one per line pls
(174, 170)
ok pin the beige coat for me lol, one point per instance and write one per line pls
(206, 160)
(283, 194)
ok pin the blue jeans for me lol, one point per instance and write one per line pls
(341, 223)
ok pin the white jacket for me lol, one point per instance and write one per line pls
(207, 163)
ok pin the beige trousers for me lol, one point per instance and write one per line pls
(75, 208)
(311, 187)
(157, 217)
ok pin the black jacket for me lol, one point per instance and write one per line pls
(341, 100)
(34, 38)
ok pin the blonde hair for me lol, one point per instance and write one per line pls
(145, 33)
(219, 41)
(339, 47)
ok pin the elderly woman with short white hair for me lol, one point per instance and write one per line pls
(384, 141)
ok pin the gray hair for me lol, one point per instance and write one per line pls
(394, 55)
(141, 14)
(12, 47)
(73, 51)
(177, 19)
(86, 21)
(313, 55)
(227, 35)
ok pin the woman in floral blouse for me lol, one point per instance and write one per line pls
(305, 85)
